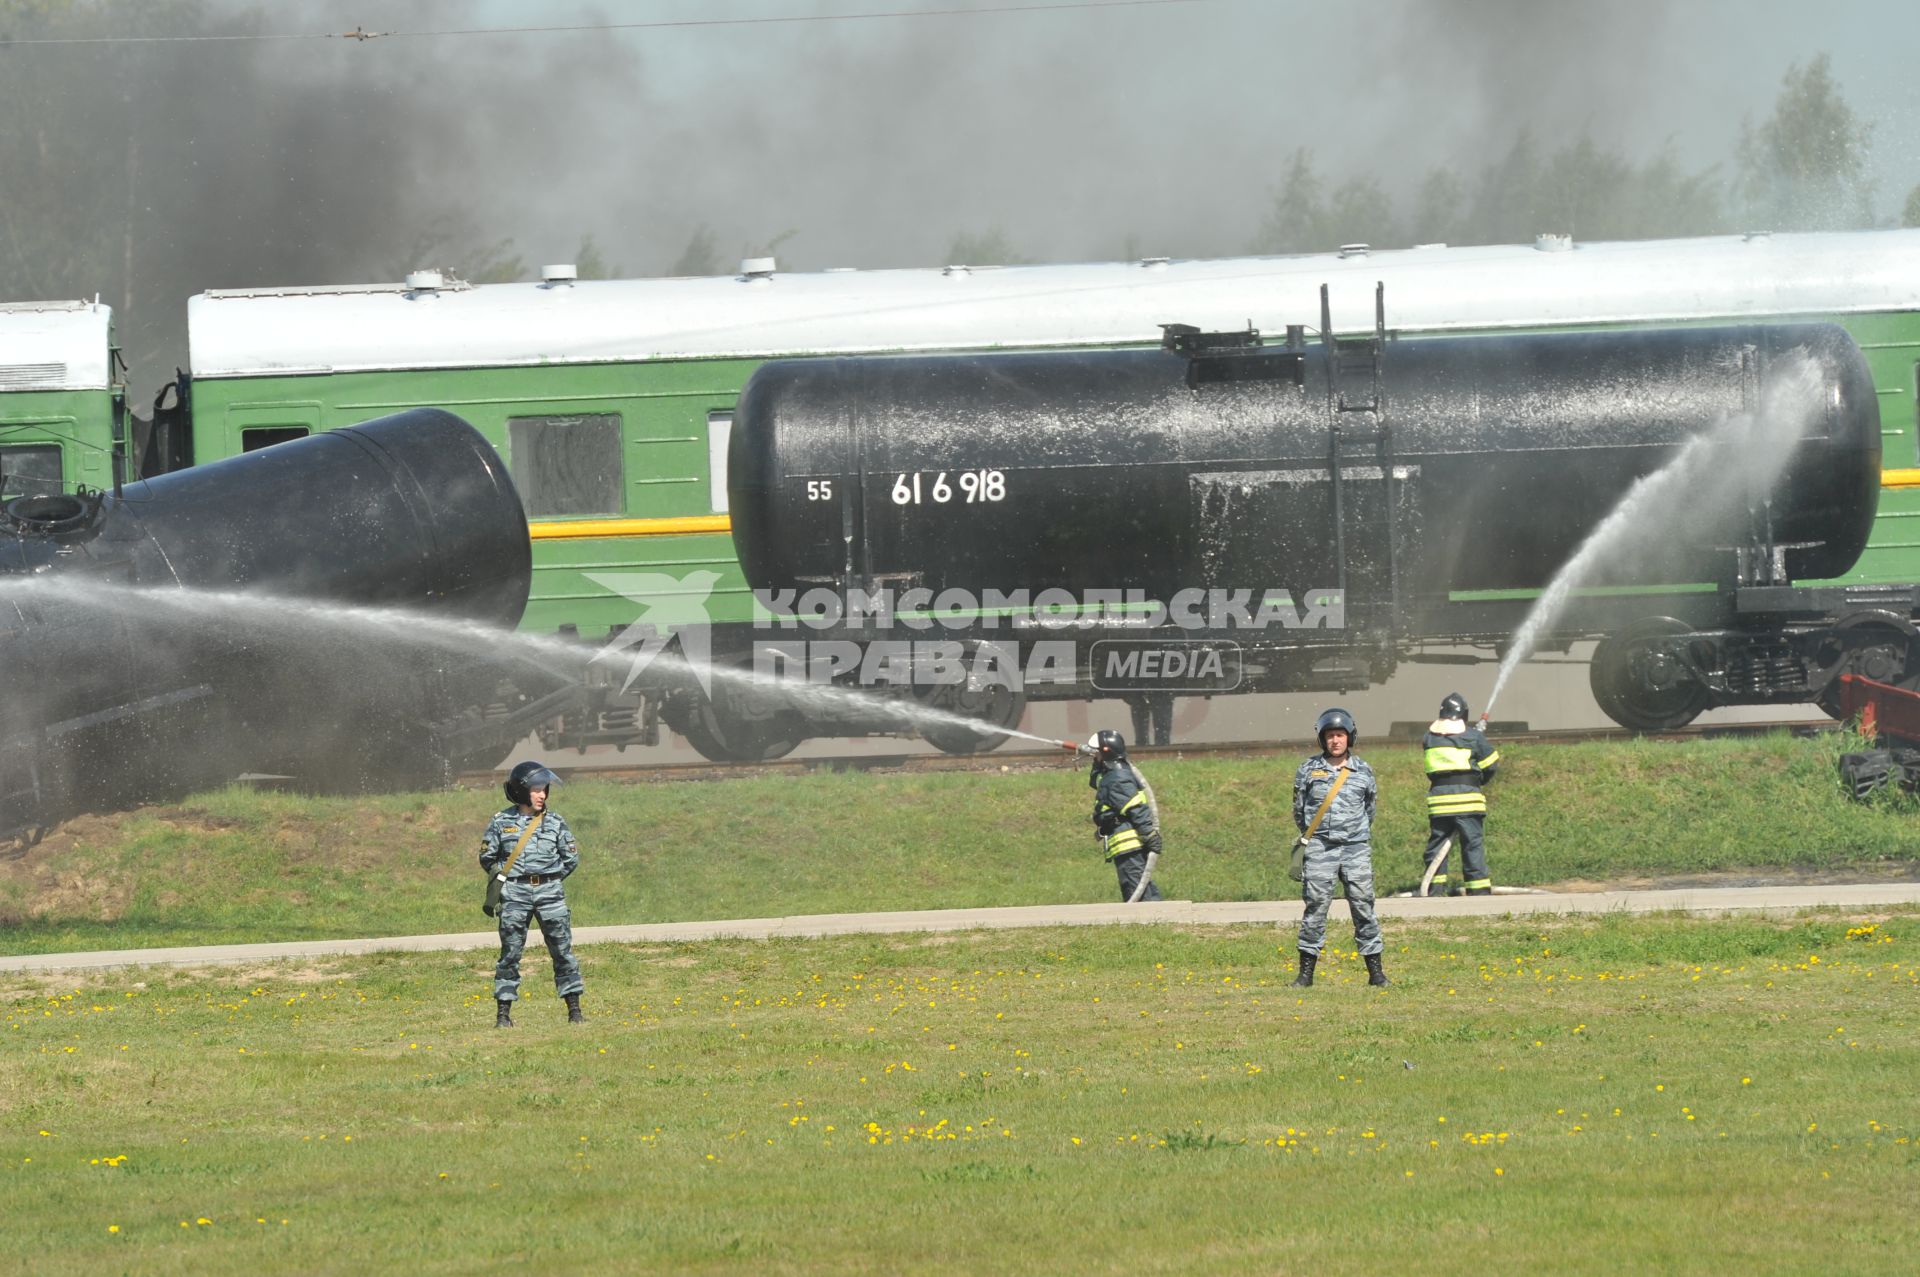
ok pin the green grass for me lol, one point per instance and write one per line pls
(1587, 1096)
(241, 865)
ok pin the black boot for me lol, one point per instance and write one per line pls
(1376, 973)
(1305, 979)
(574, 1014)
(1479, 891)
(503, 1014)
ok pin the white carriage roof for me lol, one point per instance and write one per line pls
(55, 345)
(262, 332)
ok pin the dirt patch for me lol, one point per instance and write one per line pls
(61, 839)
(1771, 876)
(54, 877)
(290, 971)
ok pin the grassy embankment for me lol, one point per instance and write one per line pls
(239, 865)
(1594, 1095)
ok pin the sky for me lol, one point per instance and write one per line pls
(1083, 133)
(1150, 128)
(1159, 128)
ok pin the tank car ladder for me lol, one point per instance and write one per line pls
(1355, 387)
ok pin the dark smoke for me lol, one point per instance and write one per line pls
(148, 172)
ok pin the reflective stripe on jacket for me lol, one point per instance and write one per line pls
(1459, 759)
(1120, 810)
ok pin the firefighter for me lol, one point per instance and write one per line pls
(1459, 761)
(1334, 795)
(1123, 817)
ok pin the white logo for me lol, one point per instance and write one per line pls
(668, 605)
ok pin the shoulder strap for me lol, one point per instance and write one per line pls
(534, 827)
(1327, 802)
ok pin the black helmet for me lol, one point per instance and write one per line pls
(1108, 745)
(1335, 718)
(1455, 706)
(526, 777)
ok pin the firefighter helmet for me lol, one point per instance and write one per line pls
(1332, 719)
(1107, 745)
(1455, 706)
(525, 778)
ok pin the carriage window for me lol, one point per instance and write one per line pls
(719, 430)
(258, 437)
(29, 470)
(567, 465)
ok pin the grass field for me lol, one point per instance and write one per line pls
(1585, 1096)
(240, 865)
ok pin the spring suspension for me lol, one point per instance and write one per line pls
(1765, 671)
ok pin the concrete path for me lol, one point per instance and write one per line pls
(1703, 900)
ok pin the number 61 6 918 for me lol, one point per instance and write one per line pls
(972, 485)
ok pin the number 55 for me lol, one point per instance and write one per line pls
(819, 489)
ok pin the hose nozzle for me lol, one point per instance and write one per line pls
(1076, 747)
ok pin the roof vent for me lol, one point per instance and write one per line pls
(553, 276)
(1551, 242)
(757, 270)
(425, 281)
(958, 271)
(1354, 250)
(1154, 263)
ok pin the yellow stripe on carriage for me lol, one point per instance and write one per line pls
(580, 529)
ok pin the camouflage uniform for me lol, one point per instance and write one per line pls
(550, 855)
(1339, 849)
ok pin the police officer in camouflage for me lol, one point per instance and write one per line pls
(534, 850)
(1341, 843)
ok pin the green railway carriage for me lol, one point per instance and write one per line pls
(612, 400)
(62, 405)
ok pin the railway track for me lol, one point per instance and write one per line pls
(1022, 760)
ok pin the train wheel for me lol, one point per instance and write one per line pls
(737, 724)
(1640, 684)
(1873, 645)
(991, 702)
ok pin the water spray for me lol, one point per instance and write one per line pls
(1751, 447)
